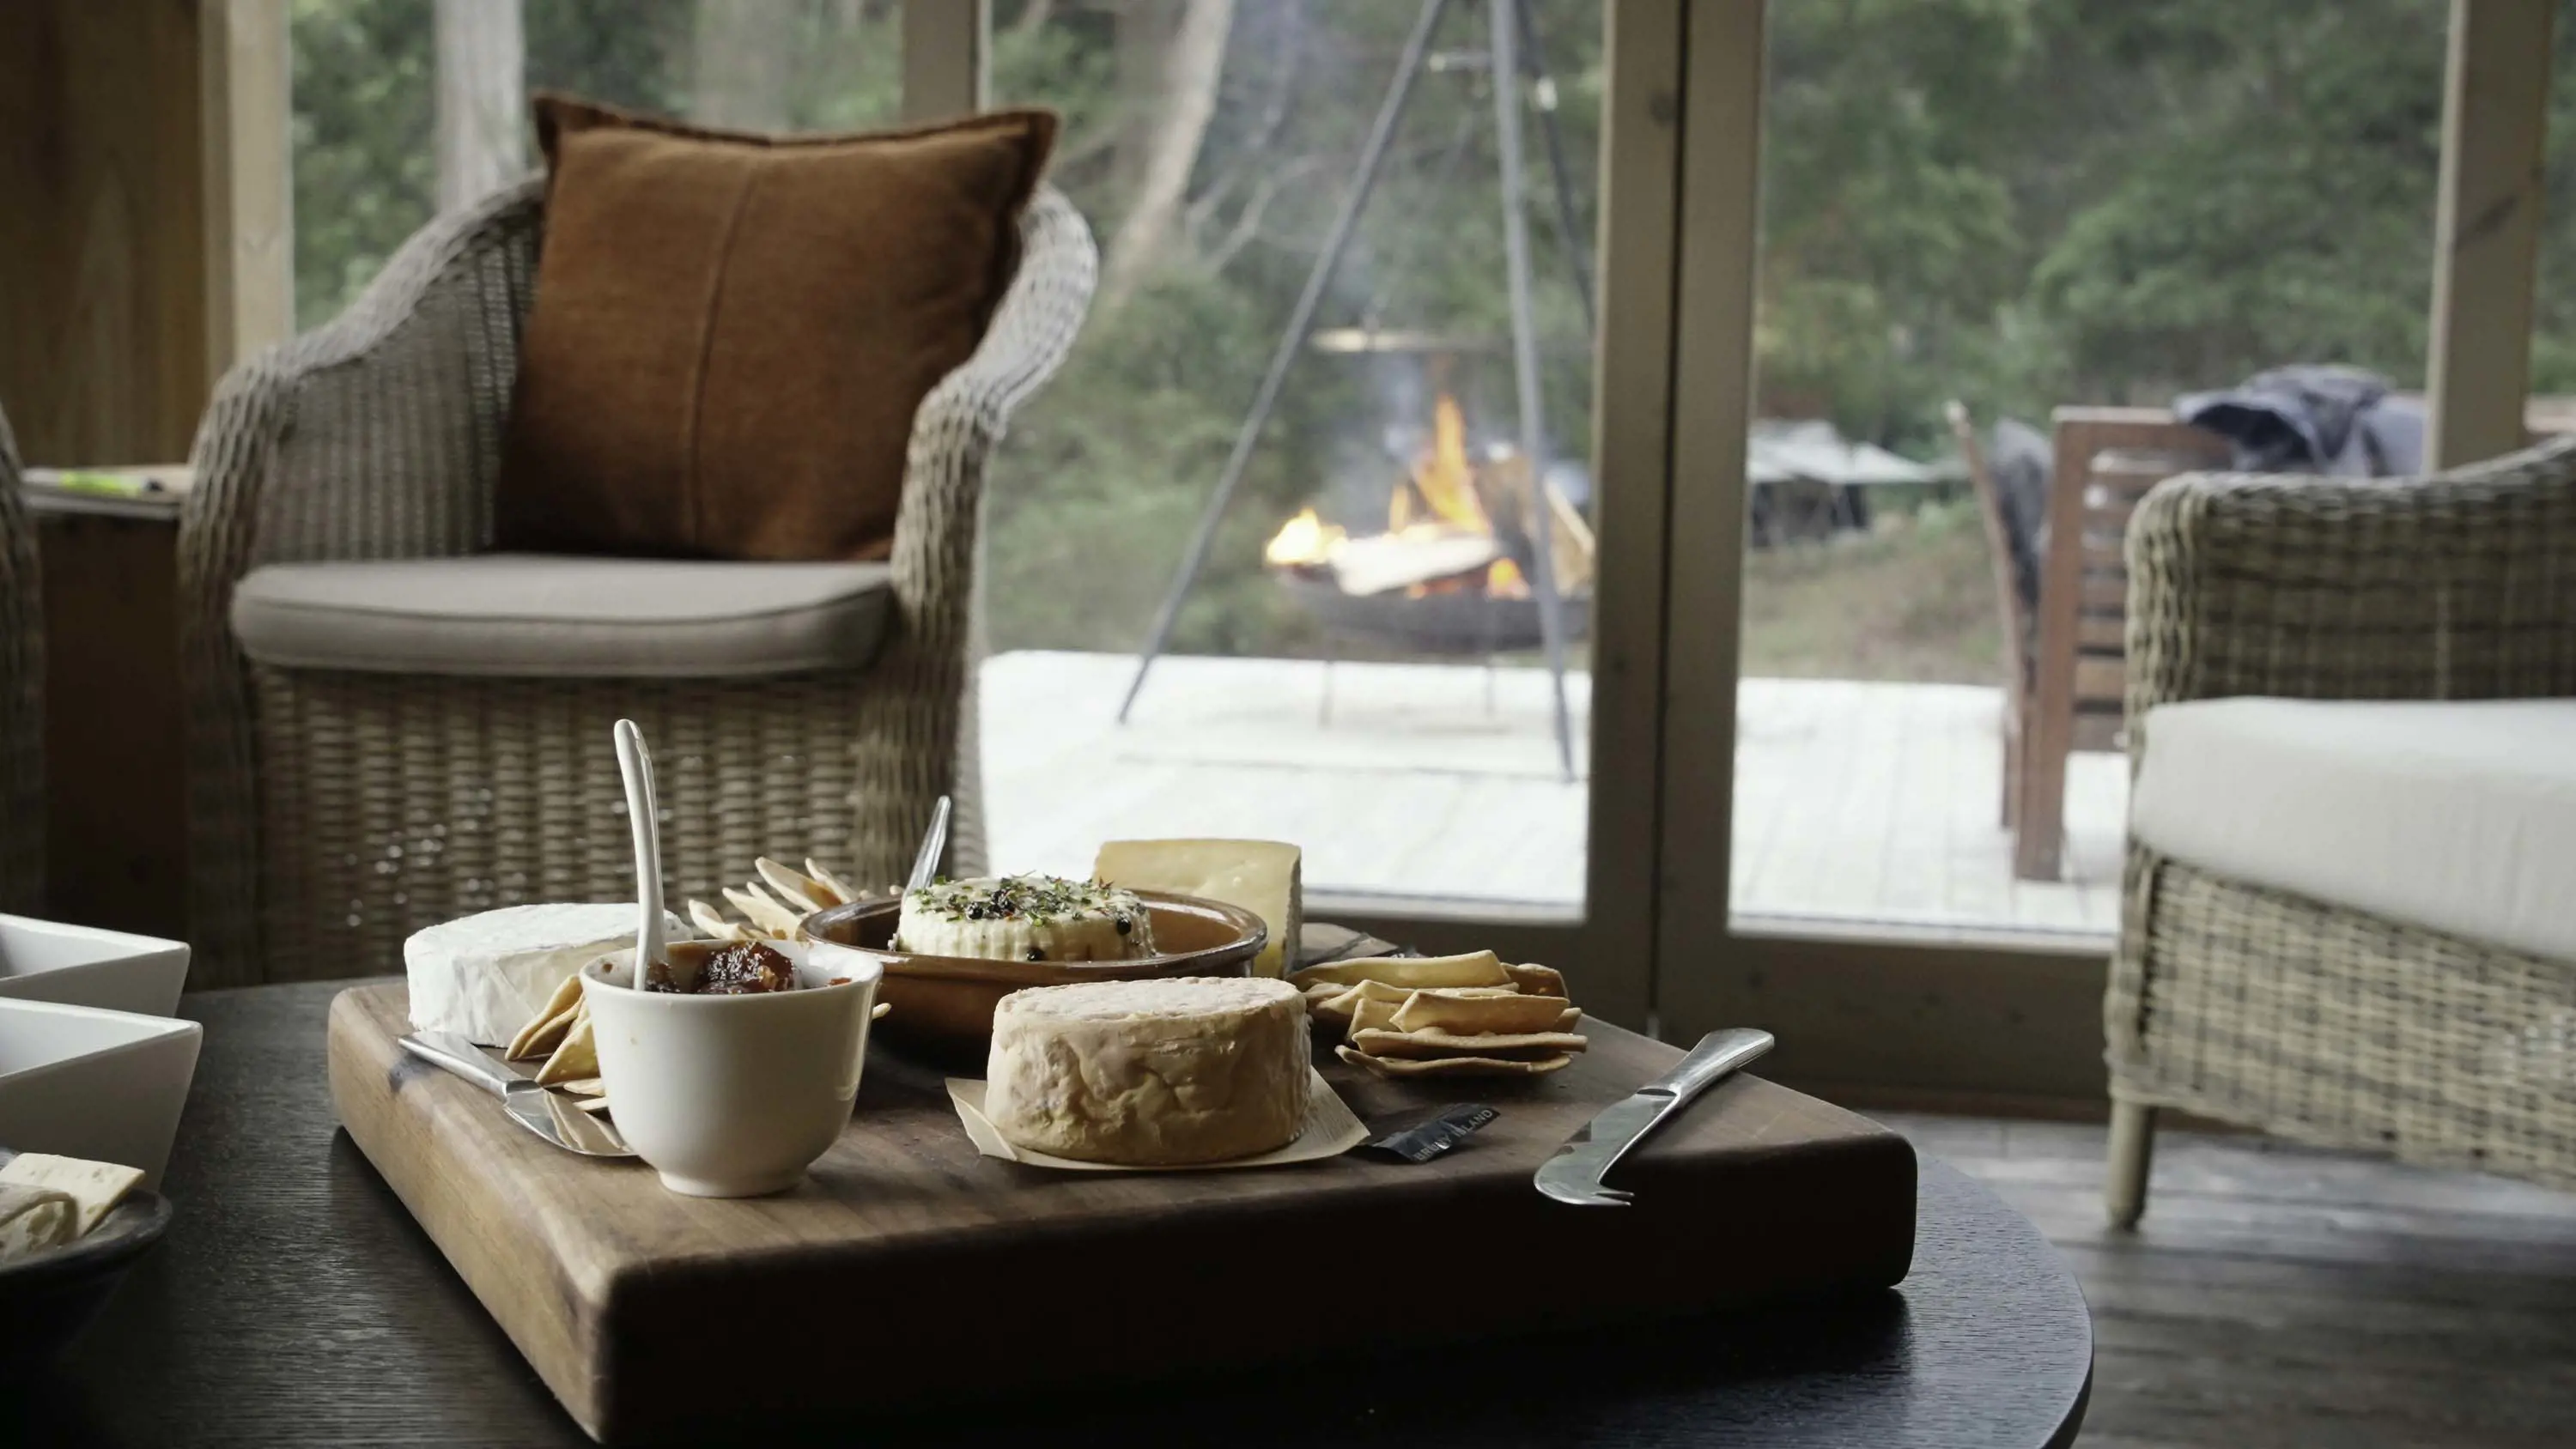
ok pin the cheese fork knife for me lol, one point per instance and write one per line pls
(536, 1108)
(1574, 1174)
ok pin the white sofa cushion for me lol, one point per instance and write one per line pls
(561, 616)
(2459, 817)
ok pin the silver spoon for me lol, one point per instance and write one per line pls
(635, 764)
(531, 1106)
(925, 864)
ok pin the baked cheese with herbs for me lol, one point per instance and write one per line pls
(1024, 918)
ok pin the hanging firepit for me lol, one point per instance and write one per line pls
(1455, 621)
(1446, 575)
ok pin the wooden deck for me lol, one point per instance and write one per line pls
(1855, 802)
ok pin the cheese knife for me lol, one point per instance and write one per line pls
(1574, 1174)
(536, 1108)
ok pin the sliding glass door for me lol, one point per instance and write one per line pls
(1326, 530)
(1996, 262)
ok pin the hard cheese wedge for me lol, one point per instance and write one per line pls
(94, 1187)
(1261, 876)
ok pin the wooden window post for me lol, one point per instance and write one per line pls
(2486, 228)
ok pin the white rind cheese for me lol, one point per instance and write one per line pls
(1024, 918)
(1261, 876)
(1150, 1073)
(484, 976)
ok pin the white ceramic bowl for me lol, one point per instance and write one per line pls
(733, 1096)
(105, 1085)
(85, 966)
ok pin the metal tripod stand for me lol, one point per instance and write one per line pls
(1513, 53)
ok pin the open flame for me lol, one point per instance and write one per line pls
(1444, 482)
(1304, 539)
(1439, 538)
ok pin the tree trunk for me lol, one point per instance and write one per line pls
(742, 60)
(482, 98)
(1182, 103)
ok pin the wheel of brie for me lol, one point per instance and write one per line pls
(1025, 918)
(1150, 1073)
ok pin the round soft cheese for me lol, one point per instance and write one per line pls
(483, 976)
(1150, 1073)
(1025, 918)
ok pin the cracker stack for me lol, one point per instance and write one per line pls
(1445, 1016)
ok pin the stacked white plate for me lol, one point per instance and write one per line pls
(91, 1062)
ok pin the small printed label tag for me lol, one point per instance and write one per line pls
(1433, 1135)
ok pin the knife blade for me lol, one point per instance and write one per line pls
(1574, 1174)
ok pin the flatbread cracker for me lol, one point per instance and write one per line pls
(595, 1106)
(1477, 968)
(1538, 980)
(1468, 1015)
(801, 891)
(1451, 1066)
(712, 923)
(1372, 1015)
(1445, 1043)
(766, 913)
(540, 1038)
(584, 1087)
(578, 1057)
(840, 889)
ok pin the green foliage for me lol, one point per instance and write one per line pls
(2017, 202)
(364, 179)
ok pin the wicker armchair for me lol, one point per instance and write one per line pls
(2314, 1021)
(22, 715)
(333, 812)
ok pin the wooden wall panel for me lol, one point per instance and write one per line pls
(103, 296)
(116, 850)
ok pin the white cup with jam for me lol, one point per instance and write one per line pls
(733, 1071)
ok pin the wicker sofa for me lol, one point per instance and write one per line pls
(2275, 626)
(22, 718)
(339, 800)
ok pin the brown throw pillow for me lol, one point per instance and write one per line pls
(731, 333)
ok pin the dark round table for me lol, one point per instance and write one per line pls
(295, 1303)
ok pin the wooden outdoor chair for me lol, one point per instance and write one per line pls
(2106, 460)
(2011, 610)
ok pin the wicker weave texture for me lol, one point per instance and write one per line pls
(2332, 1026)
(333, 813)
(2315, 1021)
(22, 710)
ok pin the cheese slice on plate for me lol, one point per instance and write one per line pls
(485, 976)
(33, 1219)
(1261, 876)
(94, 1188)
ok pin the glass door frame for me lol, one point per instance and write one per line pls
(1609, 944)
(1995, 1023)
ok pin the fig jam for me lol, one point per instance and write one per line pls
(739, 969)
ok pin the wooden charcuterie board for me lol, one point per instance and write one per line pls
(907, 1266)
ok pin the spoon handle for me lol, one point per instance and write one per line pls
(925, 862)
(635, 764)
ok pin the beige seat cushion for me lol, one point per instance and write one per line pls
(2457, 816)
(580, 617)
